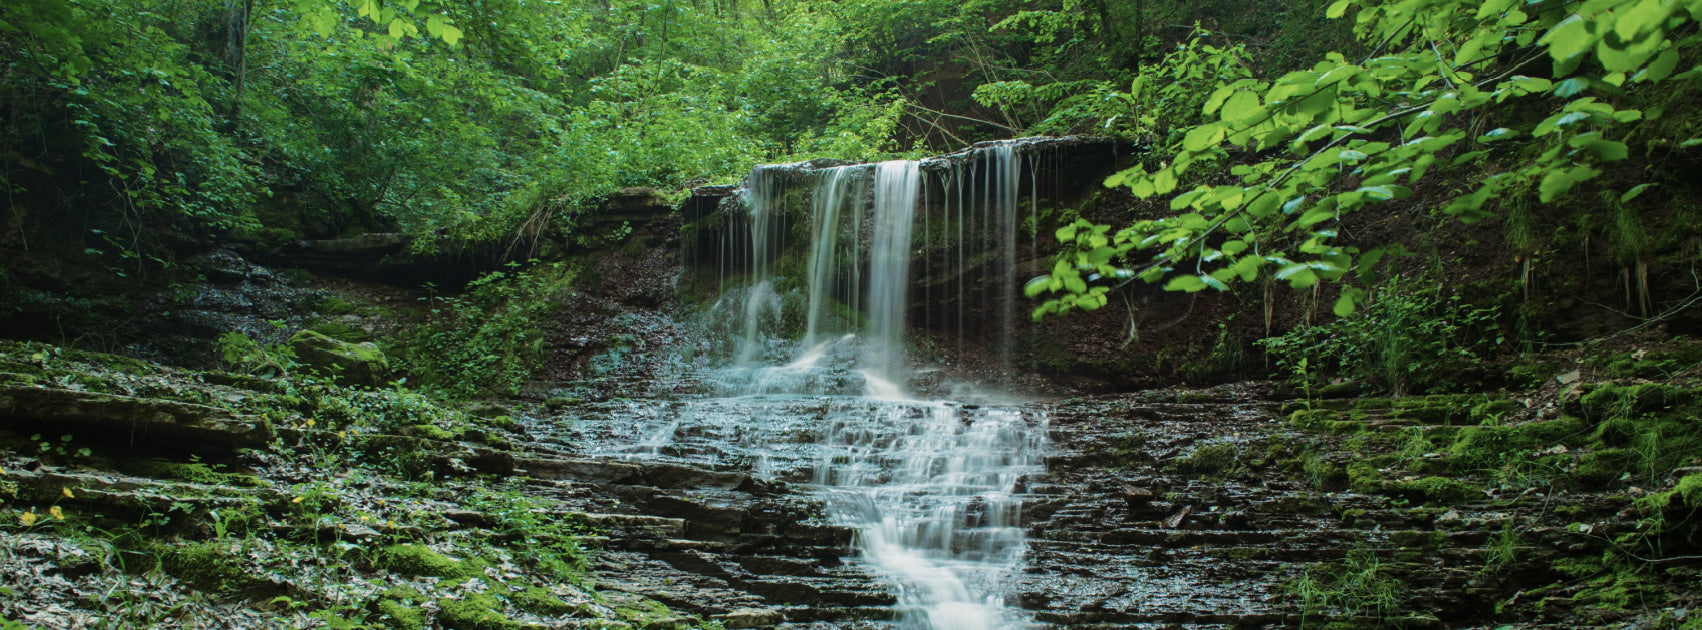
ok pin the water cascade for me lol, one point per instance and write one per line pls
(932, 488)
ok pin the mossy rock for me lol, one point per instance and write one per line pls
(1363, 476)
(211, 566)
(1686, 495)
(336, 306)
(418, 560)
(540, 601)
(1597, 469)
(1210, 459)
(1492, 411)
(1622, 401)
(194, 472)
(400, 615)
(341, 332)
(474, 612)
(350, 363)
(1437, 490)
(429, 432)
(1489, 445)
(1616, 432)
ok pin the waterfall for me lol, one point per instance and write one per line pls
(833, 187)
(760, 301)
(896, 187)
(931, 487)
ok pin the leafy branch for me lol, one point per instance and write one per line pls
(1382, 124)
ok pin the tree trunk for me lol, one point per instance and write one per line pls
(236, 50)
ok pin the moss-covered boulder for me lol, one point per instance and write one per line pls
(349, 363)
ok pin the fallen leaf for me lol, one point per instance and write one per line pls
(1569, 377)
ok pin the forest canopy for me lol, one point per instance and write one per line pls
(133, 123)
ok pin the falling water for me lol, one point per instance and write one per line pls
(896, 187)
(931, 487)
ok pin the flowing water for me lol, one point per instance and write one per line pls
(931, 487)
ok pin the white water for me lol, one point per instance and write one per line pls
(931, 487)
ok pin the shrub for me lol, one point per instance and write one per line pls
(1405, 339)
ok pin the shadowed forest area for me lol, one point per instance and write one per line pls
(913, 314)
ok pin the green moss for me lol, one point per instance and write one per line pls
(1440, 490)
(1363, 476)
(474, 612)
(340, 332)
(1687, 494)
(1596, 469)
(1654, 366)
(430, 432)
(1490, 446)
(1623, 401)
(1240, 553)
(1337, 422)
(401, 615)
(504, 422)
(1531, 376)
(1210, 459)
(540, 601)
(13, 378)
(1492, 411)
(194, 472)
(416, 560)
(1616, 432)
(211, 566)
(336, 306)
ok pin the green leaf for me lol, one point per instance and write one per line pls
(1298, 275)
(1142, 187)
(1066, 233)
(1634, 192)
(1217, 98)
(1554, 184)
(1242, 105)
(1190, 284)
(1605, 150)
(1202, 137)
(1571, 87)
(1036, 285)
(1660, 68)
(1336, 10)
(1568, 39)
(1345, 305)
(1164, 181)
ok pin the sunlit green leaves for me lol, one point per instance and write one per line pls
(1385, 124)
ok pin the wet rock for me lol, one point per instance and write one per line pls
(351, 363)
(751, 618)
(1136, 498)
(133, 421)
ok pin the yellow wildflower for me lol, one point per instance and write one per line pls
(67, 492)
(56, 512)
(28, 518)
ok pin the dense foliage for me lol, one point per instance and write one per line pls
(1500, 101)
(319, 119)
